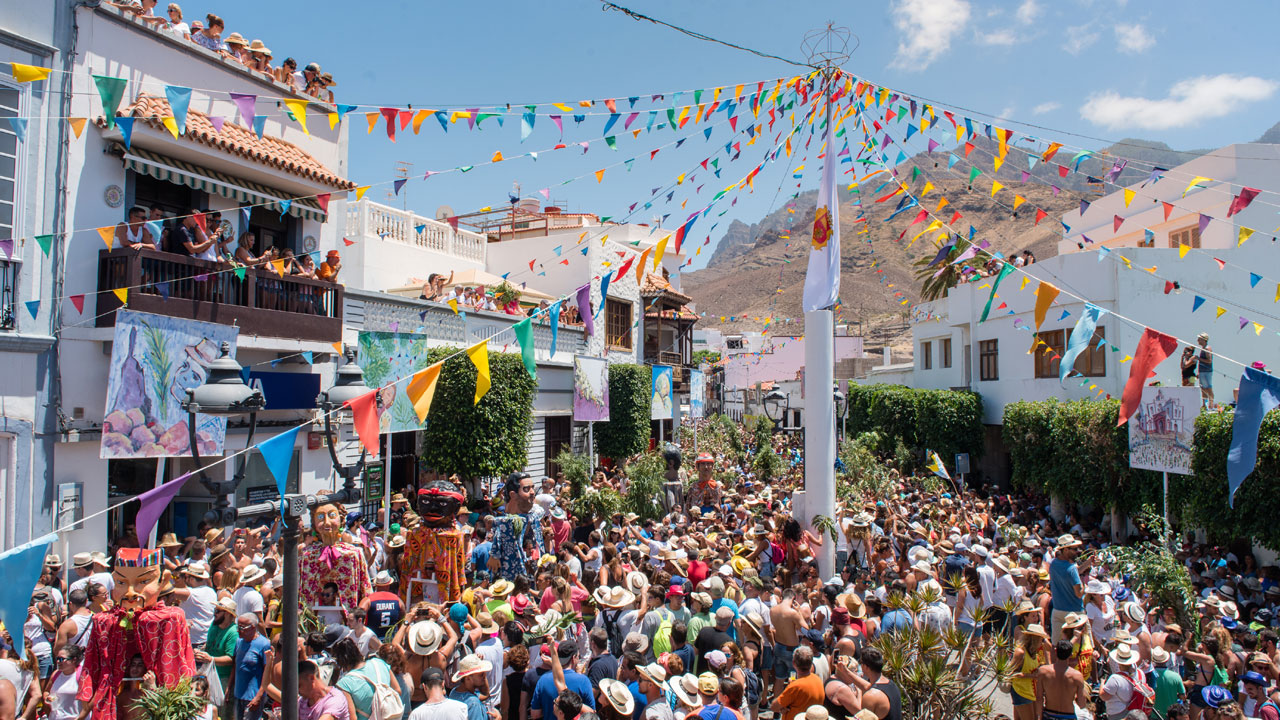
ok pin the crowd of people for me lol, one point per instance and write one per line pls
(441, 288)
(254, 54)
(712, 607)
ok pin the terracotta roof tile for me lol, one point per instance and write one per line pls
(655, 284)
(237, 140)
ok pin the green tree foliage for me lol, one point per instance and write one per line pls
(485, 439)
(933, 284)
(1153, 569)
(588, 502)
(644, 486)
(169, 703)
(628, 429)
(705, 356)
(1202, 498)
(945, 421)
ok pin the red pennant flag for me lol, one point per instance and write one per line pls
(453, 222)
(1153, 348)
(1168, 287)
(78, 301)
(653, 152)
(1040, 215)
(390, 114)
(364, 416)
(622, 271)
(1168, 208)
(1062, 171)
(968, 148)
(531, 265)
(405, 117)
(954, 218)
(347, 242)
(733, 123)
(1242, 200)
(565, 261)
(1117, 221)
(612, 105)
(889, 115)
(323, 200)
(1222, 264)
(1003, 306)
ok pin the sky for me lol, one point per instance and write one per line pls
(1087, 72)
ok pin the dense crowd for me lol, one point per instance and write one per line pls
(712, 607)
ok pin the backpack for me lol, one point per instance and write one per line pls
(776, 553)
(386, 704)
(1141, 697)
(610, 622)
(754, 687)
(662, 637)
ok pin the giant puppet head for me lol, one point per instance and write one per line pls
(671, 454)
(438, 503)
(327, 521)
(138, 574)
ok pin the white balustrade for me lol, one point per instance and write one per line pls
(370, 219)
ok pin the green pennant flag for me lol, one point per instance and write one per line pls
(524, 334)
(112, 92)
(915, 172)
(697, 97)
(612, 142)
(239, 271)
(45, 242)
(1006, 269)
(973, 173)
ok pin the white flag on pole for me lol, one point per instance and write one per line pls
(822, 281)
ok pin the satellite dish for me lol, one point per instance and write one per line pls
(444, 212)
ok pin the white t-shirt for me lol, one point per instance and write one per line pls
(444, 710)
(199, 607)
(65, 706)
(248, 600)
(1120, 690)
(103, 578)
(1103, 621)
(491, 650)
(363, 640)
(33, 631)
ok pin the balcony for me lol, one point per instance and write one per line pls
(380, 312)
(369, 219)
(180, 286)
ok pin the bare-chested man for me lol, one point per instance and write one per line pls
(1061, 686)
(425, 644)
(787, 624)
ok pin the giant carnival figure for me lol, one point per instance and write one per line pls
(332, 560)
(433, 566)
(673, 479)
(137, 625)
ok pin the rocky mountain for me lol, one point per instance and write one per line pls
(757, 272)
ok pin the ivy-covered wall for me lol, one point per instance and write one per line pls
(628, 429)
(946, 421)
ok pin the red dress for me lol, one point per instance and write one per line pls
(159, 634)
(341, 564)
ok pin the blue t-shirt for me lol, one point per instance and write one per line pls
(640, 700)
(480, 557)
(545, 693)
(475, 706)
(250, 662)
(726, 602)
(1063, 579)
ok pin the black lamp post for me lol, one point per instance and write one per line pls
(840, 410)
(347, 386)
(223, 393)
(776, 404)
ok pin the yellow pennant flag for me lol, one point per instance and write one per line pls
(1045, 295)
(600, 176)
(123, 294)
(563, 107)
(422, 389)
(996, 162)
(660, 251)
(995, 187)
(278, 265)
(1183, 250)
(453, 116)
(77, 125)
(645, 256)
(1194, 182)
(1221, 311)
(334, 119)
(372, 117)
(360, 191)
(941, 204)
(959, 132)
(1126, 359)
(108, 236)
(479, 354)
(737, 91)
(497, 157)
(1025, 280)
(299, 110)
(1128, 196)
(1244, 235)
(1277, 293)
(1257, 329)
(419, 118)
(1018, 200)
(680, 179)
(604, 240)
(29, 73)
(171, 125)
(925, 190)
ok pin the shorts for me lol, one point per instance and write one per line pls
(1195, 696)
(1047, 714)
(783, 659)
(766, 658)
(1018, 699)
(1206, 380)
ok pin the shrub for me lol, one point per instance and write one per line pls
(946, 421)
(484, 439)
(628, 429)
(644, 486)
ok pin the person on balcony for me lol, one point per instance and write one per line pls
(244, 250)
(287, 74)
(193, 239)
(329, 269)
(133, 234)
(260, 58)
(434, 290)
(305, 266)
(176, 25)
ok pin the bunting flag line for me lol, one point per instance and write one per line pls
(524, 335)
(277, 455)
(479, 355)
(1152, 350)
(1259, 393)
(421, 390)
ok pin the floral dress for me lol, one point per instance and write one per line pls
(510, 532)
(342, 564)
(440, 550)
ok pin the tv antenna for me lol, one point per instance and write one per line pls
(402, 173)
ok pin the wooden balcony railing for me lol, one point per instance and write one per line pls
(262, 303)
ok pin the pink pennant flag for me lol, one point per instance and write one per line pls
(1204, 222)
(1241, 201)
(556, 119)
(626, 124)
(545, 193)
(78, 301)
(1117, 222)
(217, 121)
(390, 114)
(471, 117)
(405, 117)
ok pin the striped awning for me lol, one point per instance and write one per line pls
(162, 167)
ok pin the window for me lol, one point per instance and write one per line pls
(1091, 363)
(557, 436)
(945, 349)
(926, 355)
(9, 152)
(617, 324)
(1189, 236)
(734, 343)
(989, 360)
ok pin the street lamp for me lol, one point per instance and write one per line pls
(776, 404)
(223, 393)
(840, 409)
(347, 386)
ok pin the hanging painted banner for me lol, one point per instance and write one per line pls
(384, 358)
(1161, 432)
(154, 360)
(697, 393)
(661, 407)
(590, 389)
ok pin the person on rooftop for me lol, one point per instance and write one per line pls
(210, 36)
(260, 58)
(287, 73)
(238, 49)
(329, 269)
(176, 25)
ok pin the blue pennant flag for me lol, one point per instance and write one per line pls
(1196, 303)
(277, 455)
(179, 99)
(126, 129)
(284, 207)
(21, 568)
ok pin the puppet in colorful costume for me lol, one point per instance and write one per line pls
(332, 560)
(136, 625)
(433, 566)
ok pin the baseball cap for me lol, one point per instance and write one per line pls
(709, 684)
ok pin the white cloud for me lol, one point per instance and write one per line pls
(1080, 37)
(1028, 11)
(1007, 111)
(1133, 38)
(999, 37)
(926, 28)
(1045, 107)
(1189, 101)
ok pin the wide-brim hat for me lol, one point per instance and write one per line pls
(100, 558)
(226, 605)
(1124, 655)
(1024, 607)
(198, 569)
(501, 588)
(1133, 611)
(1097, 587)
(856, 607)
(686, 689)
(754, 622)
(168, 540)
(601, 594)
(472, 665)
(258, 46)
(487, 624)
(1074, 620)
(235, 38)
(383, 578)
(397, 541)
(1037, 630)
(217, 553)
(637, 582)
(862, 520)
(619, 597)
(618, 695)
(1067, 541)
(251, 574)
(759, 530)
(815, 712)
(425, 637)
(654, 673)
(81, 560)
(212, 535)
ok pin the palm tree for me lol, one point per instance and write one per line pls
(935, 284)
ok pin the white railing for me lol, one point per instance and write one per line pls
(369, 219)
